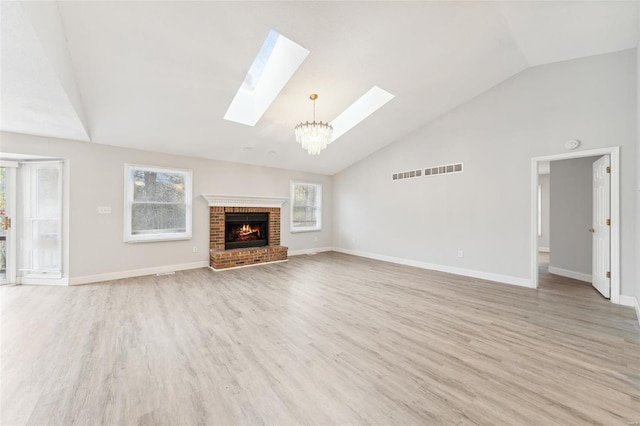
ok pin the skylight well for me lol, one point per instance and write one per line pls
(366, 105)
(276, 62)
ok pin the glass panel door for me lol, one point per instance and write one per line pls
(7, 239)
(42, 236)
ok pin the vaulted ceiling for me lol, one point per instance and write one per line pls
(160, 76)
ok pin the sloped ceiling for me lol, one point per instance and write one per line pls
(38, 91)
(160, 76)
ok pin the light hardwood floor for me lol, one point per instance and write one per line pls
(324, 339)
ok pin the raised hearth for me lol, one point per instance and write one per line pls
(238, 228)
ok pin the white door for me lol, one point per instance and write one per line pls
(41, 211)
(601, 230)
(7, 216)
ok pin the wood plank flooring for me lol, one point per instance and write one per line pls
(324, 339)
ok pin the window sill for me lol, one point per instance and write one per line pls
(300, 230)
(156, 238)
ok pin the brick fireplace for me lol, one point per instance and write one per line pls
(219, 206)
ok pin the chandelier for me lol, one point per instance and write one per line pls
(314, 136)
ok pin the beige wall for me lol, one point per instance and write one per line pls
(97, 179)
(486, 211)
(637, 259)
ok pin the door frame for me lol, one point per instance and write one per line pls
(614, 153)
(12, 264)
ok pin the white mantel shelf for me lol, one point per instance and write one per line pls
(216, 200)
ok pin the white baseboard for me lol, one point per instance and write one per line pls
(628, 301)
(310, 251)
(136, 273)
(523, 282)
(543, 249)
(42, 281)
(570, 274)
(632, 302)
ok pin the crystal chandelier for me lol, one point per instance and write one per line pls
(314, 136)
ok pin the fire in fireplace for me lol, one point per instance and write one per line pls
(245, 230)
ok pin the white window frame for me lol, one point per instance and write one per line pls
(128, 205)
(318, 225)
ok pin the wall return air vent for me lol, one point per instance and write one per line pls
(429, 171)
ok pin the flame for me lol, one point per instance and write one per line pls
(246, 231)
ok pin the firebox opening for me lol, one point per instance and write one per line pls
(246, 230)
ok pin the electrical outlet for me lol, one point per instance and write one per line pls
(104, 209)
(315, 239)
(460, 253)
(195, 249)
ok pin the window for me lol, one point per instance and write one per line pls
(157, 204)
(41, 240)
(306, 207)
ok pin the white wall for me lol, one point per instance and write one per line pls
(543, 239)
(97, 179)
(485, 211)
(637, 259)
(571, 214)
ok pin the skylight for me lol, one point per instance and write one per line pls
(277, 61)
(368, 103)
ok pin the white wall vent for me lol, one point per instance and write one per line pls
(407, 175)
(429, 171)
(441, 170)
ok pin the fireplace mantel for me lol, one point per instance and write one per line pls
(216, 200)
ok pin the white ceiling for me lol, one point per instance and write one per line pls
(160, 76)
(34, 99)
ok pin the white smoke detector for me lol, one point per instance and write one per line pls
(572, 144)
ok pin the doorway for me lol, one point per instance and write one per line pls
(573, 215)
(34, 220)
(614, 156)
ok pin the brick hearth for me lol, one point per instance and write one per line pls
(219, 258)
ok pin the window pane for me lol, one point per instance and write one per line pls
(46, 247)
(153, 218)
(47, 192)
(3, 259)
(161, 187)
(305, 208)
(157, 202)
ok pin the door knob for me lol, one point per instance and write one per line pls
(592, 230)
